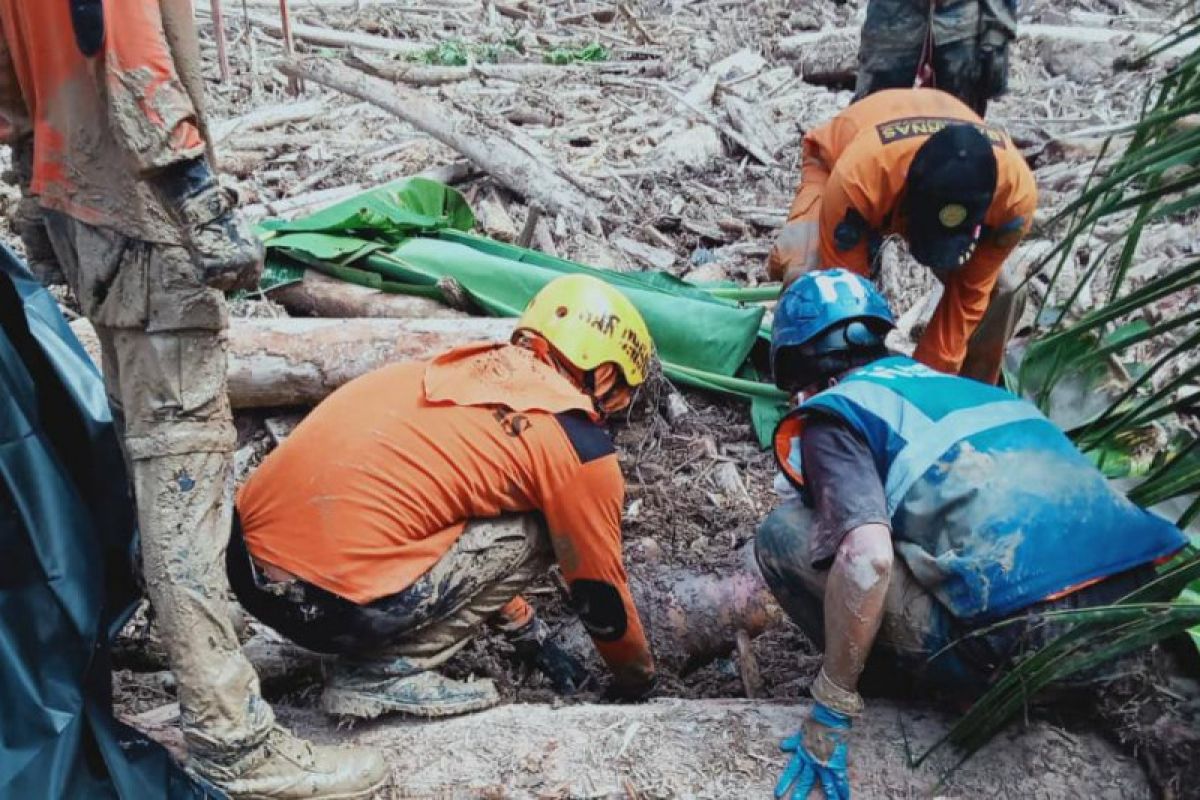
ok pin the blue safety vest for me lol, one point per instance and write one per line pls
(992, 507)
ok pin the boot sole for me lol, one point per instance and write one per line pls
(358, 794)
(361, 794)
(363, 706)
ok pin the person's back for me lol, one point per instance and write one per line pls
(992, 507)
(416, 503)
(382, 477)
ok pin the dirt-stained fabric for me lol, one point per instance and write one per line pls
(161, 335)
(915, 625)
(184, 510)
(100, 124)
(162, 345)
(485, 570)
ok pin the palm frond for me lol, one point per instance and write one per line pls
(1138, 370)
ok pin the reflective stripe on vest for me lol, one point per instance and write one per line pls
(925, 439)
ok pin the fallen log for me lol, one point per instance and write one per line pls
(424, 75)
(716, 748)
(319, 295)
(699, 748)
(500, 156)
(328, 37)
(268, 117)
(297, 362)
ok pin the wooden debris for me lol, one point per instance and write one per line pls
(319, 295)
(218, 23)
(328, 37)
(754, 122)
(289, 46)
(268, 117)
(754, 149)
(509, 163)
(296, 362)
(647, 255)
(426, 75)
(748, 667)
(494, 220)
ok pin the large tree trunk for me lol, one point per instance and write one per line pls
(296, 362)
(701, 748)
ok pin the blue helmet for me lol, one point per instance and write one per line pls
(821, 299)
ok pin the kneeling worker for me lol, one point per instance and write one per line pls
(415, 503)
(992, 511)
(919, 164)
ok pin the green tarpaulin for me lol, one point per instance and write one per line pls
(66, 586)
(406, 236)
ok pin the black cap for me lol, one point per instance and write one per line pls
(950, 186)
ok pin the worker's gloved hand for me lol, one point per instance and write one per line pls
(223, 247)
(818, 757)
(535, 646)
(796, 250)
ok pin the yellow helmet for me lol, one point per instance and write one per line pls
(590, 323)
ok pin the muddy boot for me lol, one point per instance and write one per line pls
(369, 690)
(285, 767)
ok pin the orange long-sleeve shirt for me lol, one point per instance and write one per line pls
(378, 482)
(99, 123)
(859, 160)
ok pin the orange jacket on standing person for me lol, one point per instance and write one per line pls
(379, 481)
(857, 164)
(102, 122)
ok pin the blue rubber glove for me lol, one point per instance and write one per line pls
(822, 759)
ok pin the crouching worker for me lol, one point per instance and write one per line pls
(930, 506)
(415, 503)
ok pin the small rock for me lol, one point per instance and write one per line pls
(701, 256)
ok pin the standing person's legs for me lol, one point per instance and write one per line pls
(985, 348)
(890, 45)
(162, 336)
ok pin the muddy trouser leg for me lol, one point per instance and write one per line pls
(985, 348)
(162, 336)
(427, 622)
(914, 626)
(489, 565)
(893, 35)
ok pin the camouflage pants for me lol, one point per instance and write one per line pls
(162, 349)
(489, 565)
(893, 40)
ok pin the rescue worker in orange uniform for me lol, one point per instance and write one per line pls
(919, 164)
(414, 504)
(102, 103)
